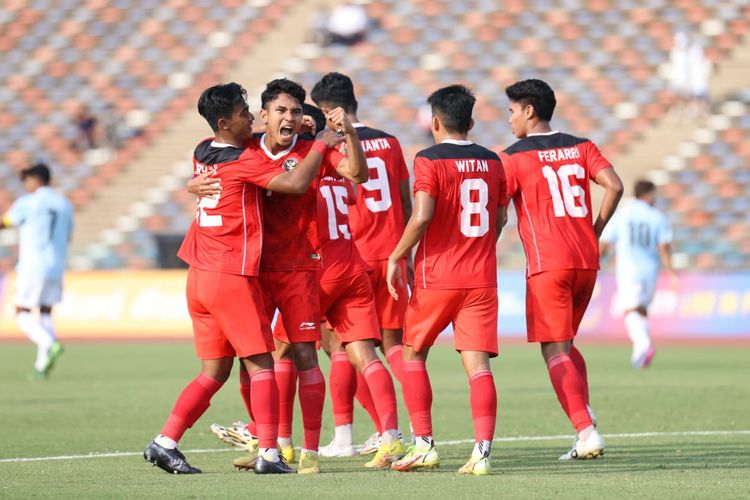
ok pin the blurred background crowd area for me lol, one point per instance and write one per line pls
(104, 91)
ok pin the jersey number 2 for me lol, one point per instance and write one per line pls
(476, 207)
(204, 219)
(566, 202)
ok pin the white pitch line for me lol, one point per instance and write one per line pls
(513, 439)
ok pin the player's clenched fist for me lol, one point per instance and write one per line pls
(338, 121)
(394, 278)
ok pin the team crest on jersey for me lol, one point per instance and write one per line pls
(290, 164)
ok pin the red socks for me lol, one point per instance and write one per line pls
(570, 389)
(418, 397)
(577, 358)
(383, 393)
(286, 380)
(312, 394)
(395, 357)
(342, 381)
(265, 403)
(192, 402)
(483, 405)
(365, 399)
(245, 393)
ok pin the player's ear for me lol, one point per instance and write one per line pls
(529, 111)
(435, 123)
(471, 124)
(263, 115)
(223, 123)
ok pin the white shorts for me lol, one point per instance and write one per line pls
(32, 292)
(635, 294)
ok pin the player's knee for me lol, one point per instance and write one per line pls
(305, 356)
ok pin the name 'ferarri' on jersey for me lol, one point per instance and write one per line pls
(467, 183)
(548, 179)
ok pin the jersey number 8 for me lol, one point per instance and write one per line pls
(477, 207)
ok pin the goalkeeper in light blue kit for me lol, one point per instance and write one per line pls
(44, 219)
(641, 237)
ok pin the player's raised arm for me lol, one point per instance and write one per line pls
(613, 189)
(354, 166)
(298, 180)
(424, 208)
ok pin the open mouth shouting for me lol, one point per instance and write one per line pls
(286, 132)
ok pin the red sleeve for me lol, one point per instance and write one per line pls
(332, 157)
(425, 177)
(502, 200)
(255, 169)
(595, 161)
(511, 183)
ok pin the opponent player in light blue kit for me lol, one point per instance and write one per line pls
(44, 219)
(641, 237)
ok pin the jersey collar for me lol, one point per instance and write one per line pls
(457, 142)
(358, 125)
(215, 144)
(551, 132)
(281, 154)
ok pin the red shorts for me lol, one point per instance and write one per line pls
(391, 312)
(472, 311)
(295, 295)
(555, 303)
(228, 316)
(349, 306)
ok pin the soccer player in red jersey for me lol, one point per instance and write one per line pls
(459, 207)
(223, 248)
(377, 219)
(548, 175)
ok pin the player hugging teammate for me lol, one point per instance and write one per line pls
(287, 230)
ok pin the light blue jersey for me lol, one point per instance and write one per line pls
(636, 231)
(45, 222)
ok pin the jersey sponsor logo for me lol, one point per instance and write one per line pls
(290, 164)
(200, 168)
(307, 325)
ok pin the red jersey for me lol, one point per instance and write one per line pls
(227, 233)
(291, 240)
(467, 183)
(340, 257)
(548, 180)
(377, 219)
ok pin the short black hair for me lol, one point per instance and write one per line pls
(282, 86)
(220, 101)
(335, 89)
(536, 93)
(643, 187)
(39, 170)
(454, 105)
(317, 115)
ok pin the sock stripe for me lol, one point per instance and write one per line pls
(557, 359)
(283, 365)
(260, 375)
(311, 376)
(480, 374)
(338, 357)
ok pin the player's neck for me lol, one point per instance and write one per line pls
(353, 118)
(221, 138)
(450, 136)
(539, 127)
(273, 146)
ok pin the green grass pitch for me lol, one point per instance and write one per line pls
(114, 397)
